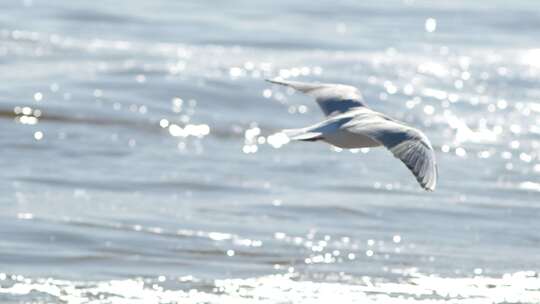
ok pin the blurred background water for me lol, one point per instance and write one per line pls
(137, 166)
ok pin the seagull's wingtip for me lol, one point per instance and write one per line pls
(277, 80)
(430, 187)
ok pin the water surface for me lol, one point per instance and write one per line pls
(137, 165)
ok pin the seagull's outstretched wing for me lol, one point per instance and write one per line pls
(332, 98)
(410, 145)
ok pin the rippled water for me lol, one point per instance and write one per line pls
(137, 165)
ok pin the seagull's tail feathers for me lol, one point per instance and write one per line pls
(303, 87)
(302, 134)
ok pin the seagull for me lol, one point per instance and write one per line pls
(351, 124)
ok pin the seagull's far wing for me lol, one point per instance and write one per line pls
(332, 98)
(411, 146)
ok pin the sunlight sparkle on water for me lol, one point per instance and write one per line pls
(38, 96)
(430, 25)
(532, 58)
(164, 123)
(278, 140)
(189, 130)
(38, 135)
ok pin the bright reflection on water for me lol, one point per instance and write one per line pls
(521, 287)
(143, 163)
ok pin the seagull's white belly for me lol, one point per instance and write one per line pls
(349, 140)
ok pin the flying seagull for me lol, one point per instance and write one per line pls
(350, 123)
